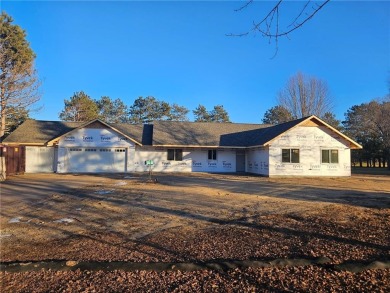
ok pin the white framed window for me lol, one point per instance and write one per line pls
(212, 155)
(329, 156)
(175, 155)
(290, 155)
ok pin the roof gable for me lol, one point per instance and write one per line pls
(278, 130)
(93, 124)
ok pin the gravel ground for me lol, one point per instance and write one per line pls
(192, 218)
(259, 237)
(293, 279)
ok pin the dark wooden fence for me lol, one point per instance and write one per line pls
(15, 159)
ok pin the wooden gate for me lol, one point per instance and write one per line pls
(15, 159)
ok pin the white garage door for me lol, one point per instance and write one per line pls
(39, 159)
(94, 160)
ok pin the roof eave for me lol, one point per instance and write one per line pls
(24, 143)
(198, 146)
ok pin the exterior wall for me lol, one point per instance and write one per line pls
(194, 160)
(40, 159)
(257, 161)
(310, 141)
(226, 161)
(93, 138)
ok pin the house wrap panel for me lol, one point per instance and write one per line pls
(310, 141)
(257, 161)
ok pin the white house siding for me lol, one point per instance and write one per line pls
(40, 159)
(94, 150)
(225, 162)
(310, 141)
(257, 161)
(194, 160)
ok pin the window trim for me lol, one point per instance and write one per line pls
(212, 155)
(329, 156)
(177, 155)
(290, 155)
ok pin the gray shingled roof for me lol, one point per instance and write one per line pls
(40, 132)
(217, 134)
(167, 133)
(137, 132)
(204, 133)
(266, 134)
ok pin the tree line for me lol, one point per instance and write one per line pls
(81, 107)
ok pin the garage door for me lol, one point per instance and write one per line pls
(39, 159)
(95, 160)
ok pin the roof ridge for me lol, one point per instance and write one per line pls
(207, 122)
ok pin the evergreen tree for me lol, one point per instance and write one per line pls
(331, 119)
(219, 114)
(112, 111)
(201, 114)
(178, 113)
(80, 107)
(149, 109)
(277, 115)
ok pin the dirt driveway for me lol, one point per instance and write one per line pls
(194, 217)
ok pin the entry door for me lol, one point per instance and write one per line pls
(240, 161)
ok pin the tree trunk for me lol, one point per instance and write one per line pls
(2, 112)
(2, 130)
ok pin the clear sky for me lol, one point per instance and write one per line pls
(178, 51)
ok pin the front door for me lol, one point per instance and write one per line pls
(240, 161)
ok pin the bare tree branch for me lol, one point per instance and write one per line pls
(270, 25)
(300, 13)
(244, 6)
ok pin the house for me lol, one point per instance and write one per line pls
(303, 147)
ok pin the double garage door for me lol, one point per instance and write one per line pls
(94, 160)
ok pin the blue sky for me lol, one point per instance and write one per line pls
(178, 51)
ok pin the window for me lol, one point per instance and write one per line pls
(212, 154)
(175, 155)
(290, 155)
(330, 156)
